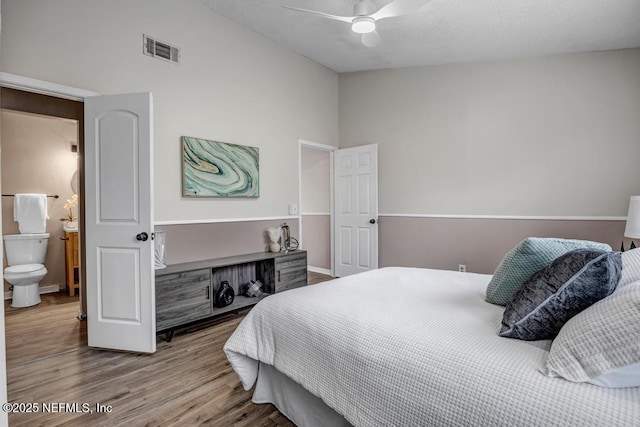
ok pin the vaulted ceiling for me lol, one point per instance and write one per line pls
(442, 31)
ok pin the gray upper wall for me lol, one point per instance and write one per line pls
(551, 136)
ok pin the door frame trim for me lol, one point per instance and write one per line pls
(42, 87)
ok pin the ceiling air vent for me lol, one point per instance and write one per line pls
(160, 50)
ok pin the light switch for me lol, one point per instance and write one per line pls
(293, 209)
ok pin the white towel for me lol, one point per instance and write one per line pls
(30, 212)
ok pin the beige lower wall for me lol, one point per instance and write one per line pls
(194, 242)
(440, 243)
(316, 232)
(443, 243)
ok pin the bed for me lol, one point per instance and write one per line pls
(408, 347)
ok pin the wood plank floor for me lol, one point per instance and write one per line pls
(186, 382)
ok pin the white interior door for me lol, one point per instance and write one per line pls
(119, 222)
(356, 209)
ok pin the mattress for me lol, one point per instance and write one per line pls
(415, 347)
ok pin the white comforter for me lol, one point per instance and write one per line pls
(416, 347)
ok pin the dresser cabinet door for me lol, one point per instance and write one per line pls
(291, 271)
(182, 298)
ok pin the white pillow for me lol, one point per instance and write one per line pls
(630, 267)
(628, 376)
(601, 340)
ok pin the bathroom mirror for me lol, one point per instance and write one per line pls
(74, 182)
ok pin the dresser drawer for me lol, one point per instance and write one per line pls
(292, 280)
(290, 271)
(292, 260)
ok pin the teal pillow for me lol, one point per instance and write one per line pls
(529, 256)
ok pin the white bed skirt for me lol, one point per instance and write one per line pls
(296, 403)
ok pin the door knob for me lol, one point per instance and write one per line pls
(142, 237)
(372, 221)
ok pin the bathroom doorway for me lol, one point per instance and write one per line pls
(42, 143)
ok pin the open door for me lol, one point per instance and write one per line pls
(119, 222)
(356, 209)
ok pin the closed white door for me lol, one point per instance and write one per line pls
(119, 222)
(356, 209)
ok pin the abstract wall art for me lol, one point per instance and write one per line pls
(219, 169)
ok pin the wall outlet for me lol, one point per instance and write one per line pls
(293, 209)
(462, 268)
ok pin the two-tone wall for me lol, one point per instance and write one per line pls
(475, 157)
(231, 85)
(518, 147)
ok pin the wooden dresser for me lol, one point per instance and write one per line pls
(185, 292)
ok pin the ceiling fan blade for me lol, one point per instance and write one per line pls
(398, 7)
(322, 14)
(371, 39)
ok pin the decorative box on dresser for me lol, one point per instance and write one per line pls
(185, 292)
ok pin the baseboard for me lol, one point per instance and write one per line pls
(319, 270)
(46, 289)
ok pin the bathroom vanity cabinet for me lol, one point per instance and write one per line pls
(185, 292)
(72, 266)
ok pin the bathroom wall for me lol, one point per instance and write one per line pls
(37, 158)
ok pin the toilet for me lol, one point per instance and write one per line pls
(26, 254)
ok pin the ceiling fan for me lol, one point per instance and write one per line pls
(365, 16)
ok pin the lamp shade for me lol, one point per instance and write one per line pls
(632, 229)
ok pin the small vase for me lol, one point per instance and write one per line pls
(274, 247)
(71, 224)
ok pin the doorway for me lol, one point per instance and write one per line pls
(316, 205)
(39, 155)
(48, 153)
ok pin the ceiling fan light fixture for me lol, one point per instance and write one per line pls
(371, 39)
(363, 25)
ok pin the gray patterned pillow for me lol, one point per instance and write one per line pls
(602, 339)
(555, 294)
(529, 256)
